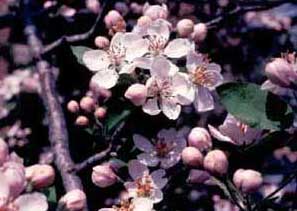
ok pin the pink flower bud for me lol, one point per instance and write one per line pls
(100, 112)
(103, 176)
(185, 27)
(200, 32)
(216, 162)
(280, 72)
(199, 138)
(137, 94)
(82, 121)
(101, 42)
(87, 104)
(247, 180)
(198, 176)
(73, 106)
(74, 200)
(40, 175)
(15, 175)
(112, 18)
(155, 11)
(99, 91)
(4, 151)
(93, 5)
(192, 157)
(144, 21)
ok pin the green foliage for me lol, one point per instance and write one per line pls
(115, 119)
(255, 107)
(78, 52)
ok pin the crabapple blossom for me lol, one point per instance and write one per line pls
(155, 11)
(167, 89)
(4, 151)
(82, 121)
(119, 58)
(87, 104)
(216, 162)
(137, 94)
(192, 156)
(103, 176)
(136, 204)
(165, 149)
(73, 106)
(74, 200)
(199, 138)
(100, 112)
(40, 175)
(247, 180)
(205, 77)
(199, 32)
(185, 27)
(145, 184)
(235, 132)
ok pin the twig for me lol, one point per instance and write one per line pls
(93, 159)
(79, 37)
(58, 134)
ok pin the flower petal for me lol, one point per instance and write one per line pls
(136, 169)
(157, 196)
(203, 100)
(33, 201)
(170, 108)
(213, 79)
(151, 107)
(218, 135)
(193, 60)
(142, 204)
(158, 177)
(143, 62)
(148, 159)
(183, 88)
(136, 47)
(4, 190)
(160, 29)
(142, 143)
(178, 48)
(160, 67)
(106, 78)
(96, 60)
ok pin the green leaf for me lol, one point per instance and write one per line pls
(115, 119)
(78, 52)
(255, 107)
(51, 194)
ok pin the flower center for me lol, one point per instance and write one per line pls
(117, 53)
(156, 44)
(125, 205)
(163, 148)
(163, 88)
(144, 186)
(203, 77)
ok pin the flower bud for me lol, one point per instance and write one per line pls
(144, 21)
(103, 176)
(280, 72)
(4, 151)
(82, 121)
(185, 27)
(192, 157)
(216, 162)
(40, 175)
(200, 32)
(93, 6)
(247, 180)
(101, 42)
(199, 138)
(15, 175)
(137, 94)
(100, 112)
(155, 11)
(87, 104)
(112, 18)
(198, 176)
(74, 200)
(73, 106)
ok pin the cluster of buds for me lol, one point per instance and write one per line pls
(87, 106)
(247, 180)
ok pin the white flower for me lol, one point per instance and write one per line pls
(165, 149)
(145, 185)
(234, 131)
(205, 77)
(136, 204)
(124, 48)
(167, 89)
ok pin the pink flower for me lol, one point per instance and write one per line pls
(205, 77)
(165, 149)
(137, 94)
(247, 180)
(155, 11)
(145, 185)
(216, 162)
(103, 176)
(235, 132)
(40, 175)
(136, 204)
(74, 200)
(192, 156)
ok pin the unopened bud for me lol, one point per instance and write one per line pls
(103, 176)
(216, 162)
(200, 32)
(247, 180)
(101, 42)
(137, 94)
(144, 21)
(40, 175)
(155, 11)
(112, 18)
(74, 200)
(87, 104)
(82, 121)
(192, 157)
(73, 106)
(100, 112)
(200, 138)
(185, 27)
